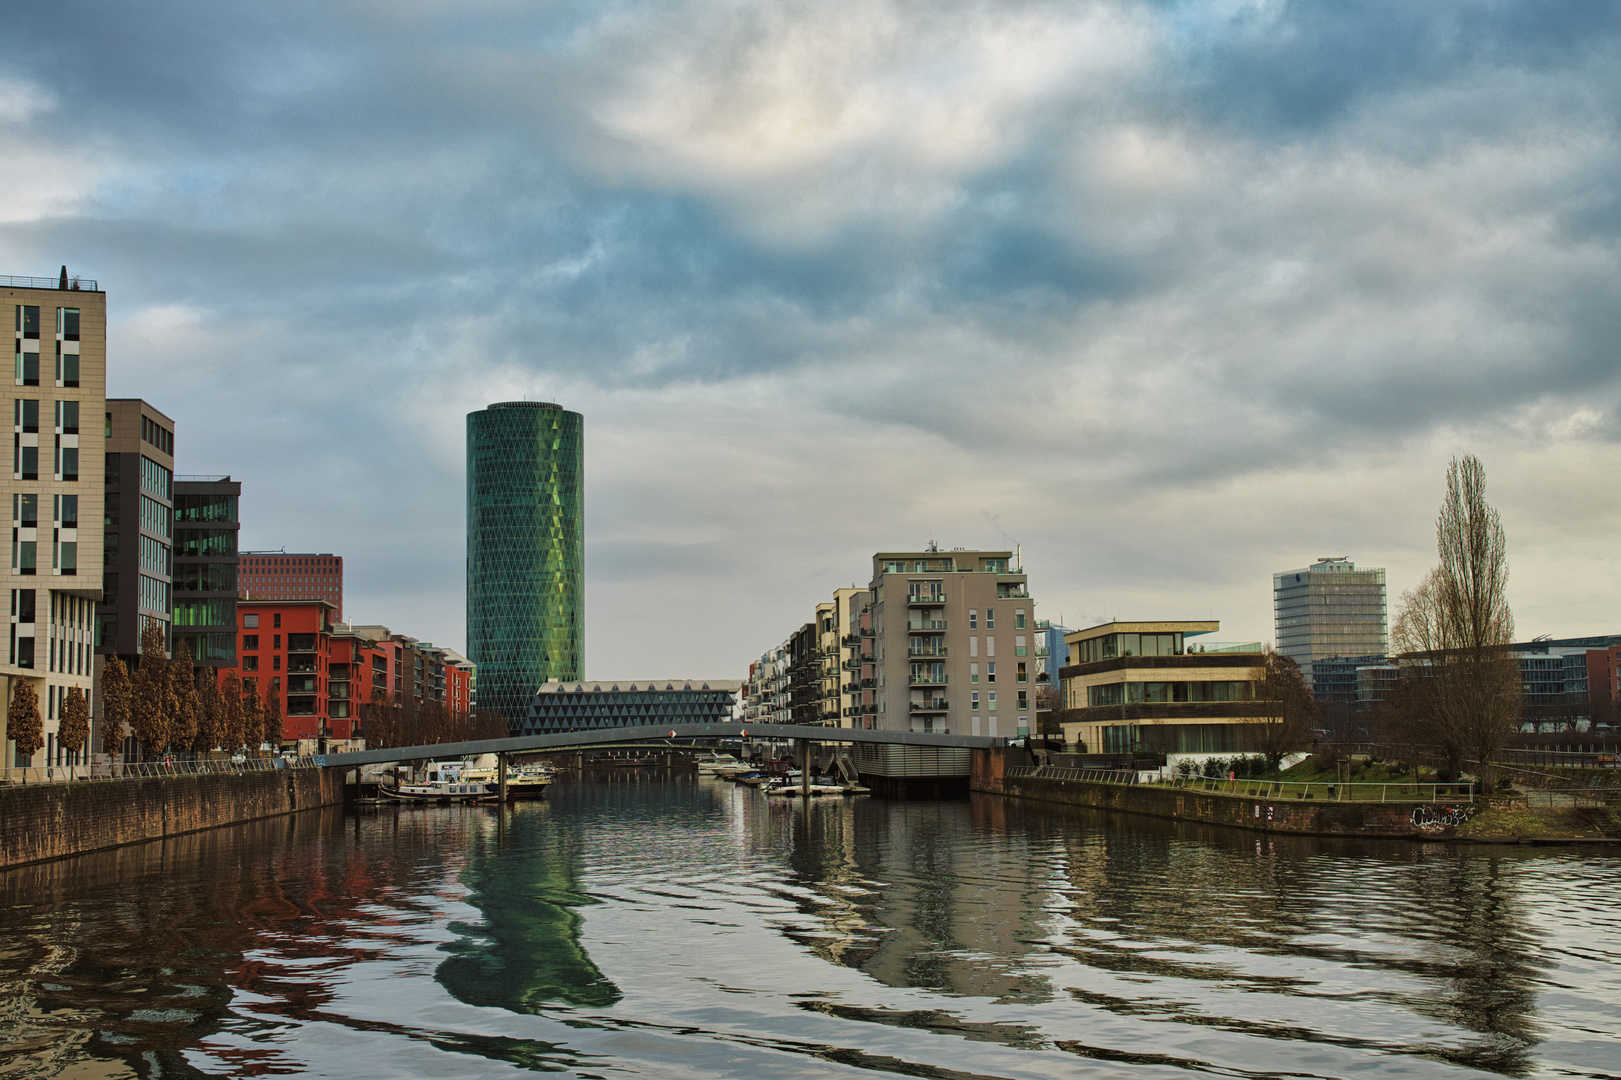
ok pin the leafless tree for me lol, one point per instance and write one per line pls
(1462, 689)
(1289, 710)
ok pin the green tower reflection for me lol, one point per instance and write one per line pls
(526, 954)
(525, 550)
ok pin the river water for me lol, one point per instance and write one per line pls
(663, 926)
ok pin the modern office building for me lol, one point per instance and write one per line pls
(206, 523)
(137, 576)
(525, 551)
(587, 706)
(1327, 610)
(1145, 687)
(53, 579)
(299, 575)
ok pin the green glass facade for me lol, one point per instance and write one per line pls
(525, 551)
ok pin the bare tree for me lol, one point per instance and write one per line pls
(115, 704)
(74, 728)
(22, 719)
(1289, 711)
(380, 728)
(148, 705)
(1453, 633)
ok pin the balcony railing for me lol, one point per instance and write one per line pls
(1041, 650)
(937, 650)
(75, 284)
(937, 705)
(867, 631)
(850, 640)
(934, 626)
(869, 684)
(928, 680)
(1010, 594)
(925, 599)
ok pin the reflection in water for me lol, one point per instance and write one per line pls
(644, 925)
(526, 953)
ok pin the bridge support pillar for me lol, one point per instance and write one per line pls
(501, 782)
(804, 769)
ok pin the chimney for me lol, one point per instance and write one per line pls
(63, 283)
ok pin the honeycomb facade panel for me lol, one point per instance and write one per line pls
(525, 551)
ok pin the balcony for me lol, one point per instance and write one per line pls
(869, 684)
(850, 687)
(867, 632)
(925, 599)
(1043, 624)
(933, 650)
(932, 626)
(1041, 650)
(928, 680)
(938, 705)
(1012, 592)
(850, 641)
(851, 665)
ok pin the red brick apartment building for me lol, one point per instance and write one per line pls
(278, 575)
(325, 672)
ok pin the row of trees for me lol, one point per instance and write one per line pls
(409, 722)
(169, 709)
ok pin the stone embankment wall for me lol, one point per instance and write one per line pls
(52, 821)
(1299, 816)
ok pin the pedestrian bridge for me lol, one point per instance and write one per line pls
(572, 740)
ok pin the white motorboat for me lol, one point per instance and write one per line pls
(523, 782)
(441, 782)
(715, 764)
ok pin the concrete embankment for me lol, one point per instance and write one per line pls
(1302, 817)
(53, 821)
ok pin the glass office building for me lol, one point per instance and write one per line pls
(1328, 610)
(525, 551)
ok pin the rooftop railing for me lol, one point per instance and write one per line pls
(75, 284)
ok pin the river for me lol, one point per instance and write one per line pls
(671, 927)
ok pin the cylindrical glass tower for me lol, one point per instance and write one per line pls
(525, 551)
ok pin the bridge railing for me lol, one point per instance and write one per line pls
(145, 770)
(1252, 788)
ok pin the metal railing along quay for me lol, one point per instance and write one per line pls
(1251, 788)
(144, 770)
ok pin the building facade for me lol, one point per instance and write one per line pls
(954, 634)
(1330, 610)
(1142, 686)
(589, 706)
(525, 551)
(55, 491)
(281, 575)
(206, 523)
(137, 575)
(285, 649)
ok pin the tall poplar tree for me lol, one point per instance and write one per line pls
(274, 733)
(74, 728)
(230, 713)
(210, 727)
(253, 720)
(115, 704)
(183, 691)
(149, 700)
(23, 724)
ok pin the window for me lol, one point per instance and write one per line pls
(1023, 675)
(110, 478)
(27, 462)
(973, 698)
(250, 663)
(69, 557)
(990, 672)
(990, 645)
(275, 663)
(250, 642)
(251, 622)
(1018, 618)
(277, 618)
(68, 418)
(990, 618)
(67, 323)
(68, 467)
(1019, 647)
(24, 556)
(25, 414)
(973, 645)
(1024, 699)
(973, 672)
(26, 509)
(275, 642)
(68, 511)
(973, 618)
(990, 701)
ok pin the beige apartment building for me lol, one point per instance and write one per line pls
(954, 635)
(53, 578)
(1131, 686)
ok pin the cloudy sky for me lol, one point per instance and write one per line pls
(1171, 294)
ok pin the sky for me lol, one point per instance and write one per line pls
(1170, 295)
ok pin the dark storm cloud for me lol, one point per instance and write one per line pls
(1136, 249)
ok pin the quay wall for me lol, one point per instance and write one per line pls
(1303, 817)
(53, 821)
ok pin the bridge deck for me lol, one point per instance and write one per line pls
(567, 740)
